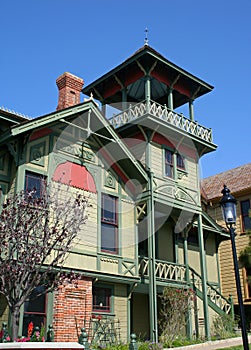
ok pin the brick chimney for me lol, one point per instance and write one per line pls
(69, 87)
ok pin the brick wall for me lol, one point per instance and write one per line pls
(72, 305)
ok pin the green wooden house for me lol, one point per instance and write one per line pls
(136, 156)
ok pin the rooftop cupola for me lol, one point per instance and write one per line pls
(147, 75)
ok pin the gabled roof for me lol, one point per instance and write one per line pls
(97, 129)
(238, 180)
(131, 72)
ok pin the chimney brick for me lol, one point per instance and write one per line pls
(69, 87)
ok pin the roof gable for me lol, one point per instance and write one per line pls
(237, 180)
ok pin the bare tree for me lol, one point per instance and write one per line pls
(36, 235)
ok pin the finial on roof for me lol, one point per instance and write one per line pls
(146, 36)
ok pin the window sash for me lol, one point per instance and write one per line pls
(101, 299)
(109, 209)
(35, 310)
(180, 162)
(109, 224)
(168, 163)
(109, 238)
(35, 181)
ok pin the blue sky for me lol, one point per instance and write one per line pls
(41, 39)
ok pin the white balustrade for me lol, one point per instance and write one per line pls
(162, 112)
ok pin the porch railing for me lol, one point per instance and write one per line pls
(171, 272)
(162, 112)
(163, 270)
(213, 294)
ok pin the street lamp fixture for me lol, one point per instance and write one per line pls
(228, 205)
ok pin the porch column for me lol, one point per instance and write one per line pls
(191, 110)
(151, 256)
(185, 257)
(170, 98)
(203, 277)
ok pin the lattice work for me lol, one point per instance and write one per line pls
(104, 331)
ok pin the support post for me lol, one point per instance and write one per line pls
(147, 92)
(203, 277)
(191, 110)
(124, 99)
(185, 253)
(151, 257)
(170, 99)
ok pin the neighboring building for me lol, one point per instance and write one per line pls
(238, 180)
(146, 228)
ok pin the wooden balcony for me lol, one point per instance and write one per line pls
(152, 108)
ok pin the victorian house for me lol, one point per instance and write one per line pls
(238, 181)
(128, 147)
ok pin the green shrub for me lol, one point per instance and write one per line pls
(223, 326)
(176, 303)
(148, 345)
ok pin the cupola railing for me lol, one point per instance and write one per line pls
(164, 113)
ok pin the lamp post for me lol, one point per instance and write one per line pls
(228, 205)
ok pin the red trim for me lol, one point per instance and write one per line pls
(118, 170)
(74, 175)
(111, 89)
(162, 140)
(40, 133)
(160, 76)
(182, 88)
(133, 76)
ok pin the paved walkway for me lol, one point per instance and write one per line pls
(217, 344)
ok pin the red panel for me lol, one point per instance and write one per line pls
(74, 175)
(40, 133)
(111, 89)
(133, 76)
(161, 140)
(182, 88)
(183, 149)
(161, 77)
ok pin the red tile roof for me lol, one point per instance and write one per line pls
(237, 180)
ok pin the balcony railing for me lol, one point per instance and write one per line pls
(171, 272)
(162, 112)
